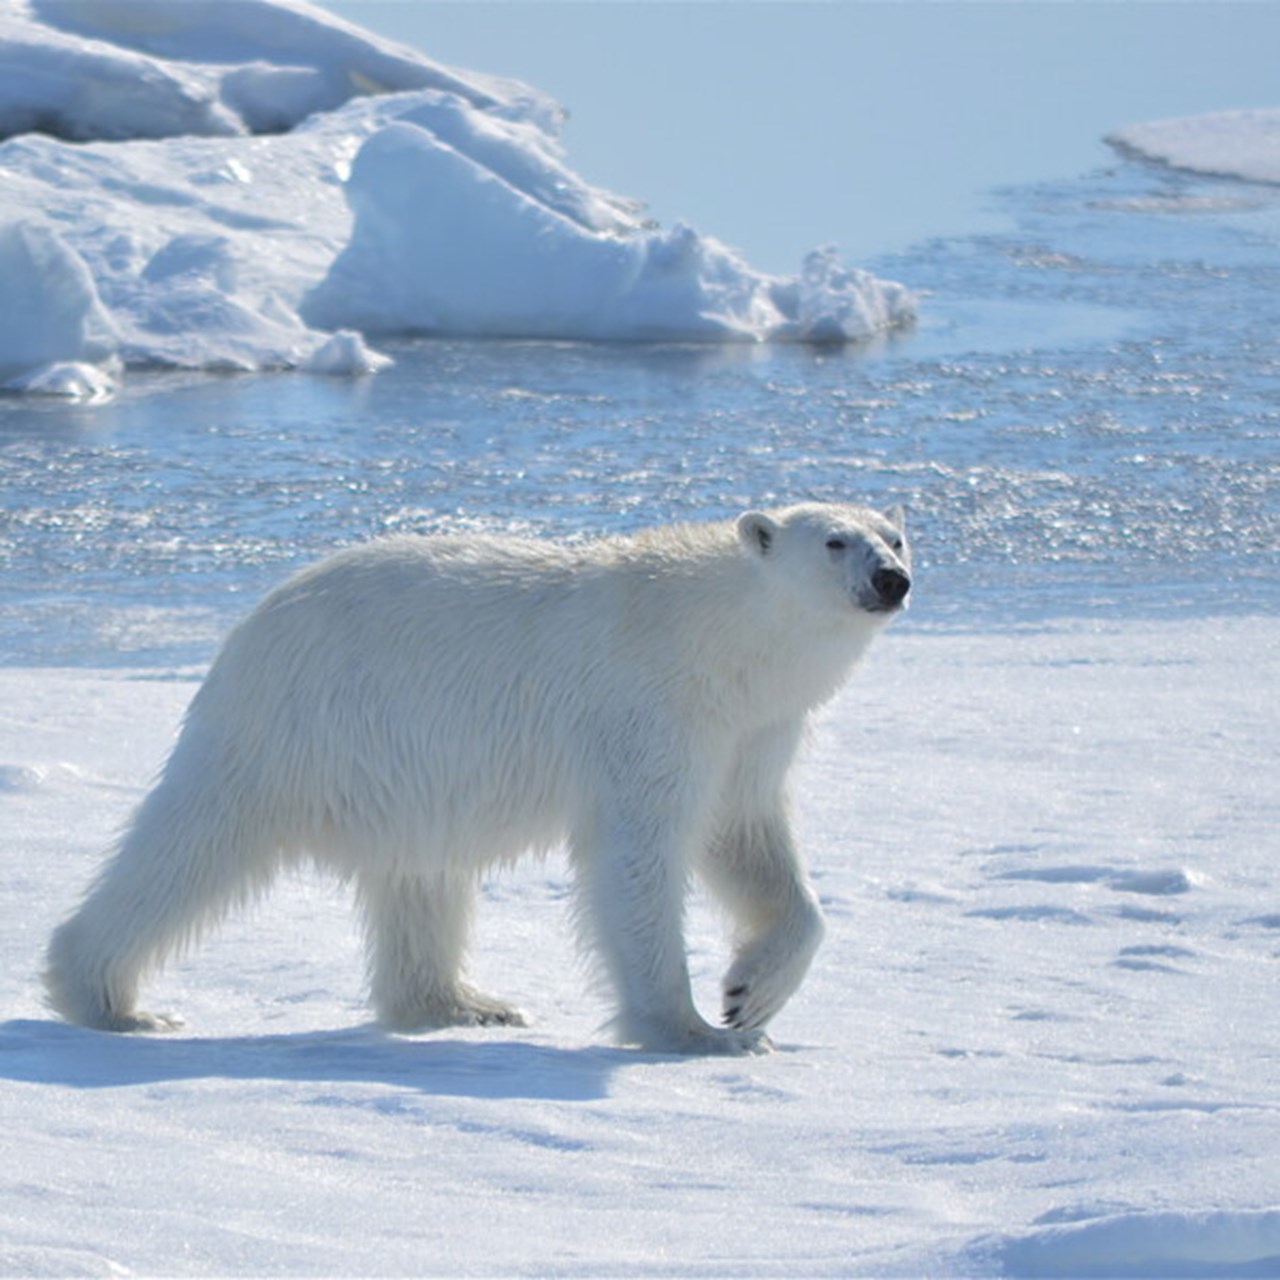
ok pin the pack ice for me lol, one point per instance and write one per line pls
(241, 186)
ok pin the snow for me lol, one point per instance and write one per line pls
(192, 163)
(1038, 1039)
(1231, 144)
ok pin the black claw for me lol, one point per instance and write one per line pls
(739, 990)
(731, 1015)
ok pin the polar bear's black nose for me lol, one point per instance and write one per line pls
(891, 585)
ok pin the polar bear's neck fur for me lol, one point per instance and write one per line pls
(773, 650)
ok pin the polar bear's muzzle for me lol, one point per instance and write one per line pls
(890, 587)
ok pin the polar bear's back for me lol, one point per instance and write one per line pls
(405, 593)
(421, 682)
(474, 602)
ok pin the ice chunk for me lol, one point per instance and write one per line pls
(836, 303)
(346, 354)
(51, 314)
(72, 379)
(444, 244)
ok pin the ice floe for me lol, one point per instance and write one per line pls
(1232, 144)
(223, 185)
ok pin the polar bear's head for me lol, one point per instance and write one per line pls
(835, 555)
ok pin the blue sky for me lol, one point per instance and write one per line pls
(868, 123)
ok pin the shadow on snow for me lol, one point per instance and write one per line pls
(47, 1052)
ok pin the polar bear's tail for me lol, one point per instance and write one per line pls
(192, 851)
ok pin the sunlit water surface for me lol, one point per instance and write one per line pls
(1086, 420)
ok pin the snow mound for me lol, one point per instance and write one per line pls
(1234, 1243)
(1232, 144)
(201, 220)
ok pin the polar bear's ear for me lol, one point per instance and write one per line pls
(758, 532)
(898, 516)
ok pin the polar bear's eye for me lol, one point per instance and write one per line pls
(836, 544)
(895, 544)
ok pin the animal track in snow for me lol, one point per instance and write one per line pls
(1264, 922)
(1153, 959)
(20, 779)
(1160, 882)
(1037, 913)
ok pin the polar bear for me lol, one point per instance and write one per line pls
(413, 711)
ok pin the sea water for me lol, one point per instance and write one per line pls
(1085, 420)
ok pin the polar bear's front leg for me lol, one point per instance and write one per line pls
(754, 868)
(632, 878)
(752, 865)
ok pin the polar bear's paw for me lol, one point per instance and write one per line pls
(699, 1039)
(135, 1022)
(473, 1008)
(147, 1022)
(767, 972)
(732, 1041)
(464, 1006)
(748, 1006)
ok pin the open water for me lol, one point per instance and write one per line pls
(1086, 420)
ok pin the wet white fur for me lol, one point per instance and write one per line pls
(412, 711)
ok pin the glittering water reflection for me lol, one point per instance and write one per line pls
(1087, 417)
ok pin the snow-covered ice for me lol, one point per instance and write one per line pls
(1231, 144)
(1038, 1040)
(58, 329)
(192, 162)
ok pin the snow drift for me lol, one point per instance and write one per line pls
(1224, 1243)
(248, 176)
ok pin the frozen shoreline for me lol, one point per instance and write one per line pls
(1049, 976)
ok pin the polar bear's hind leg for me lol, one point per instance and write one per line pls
(195, 848)
(417, 929)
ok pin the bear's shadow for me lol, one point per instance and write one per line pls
(48, 1052)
